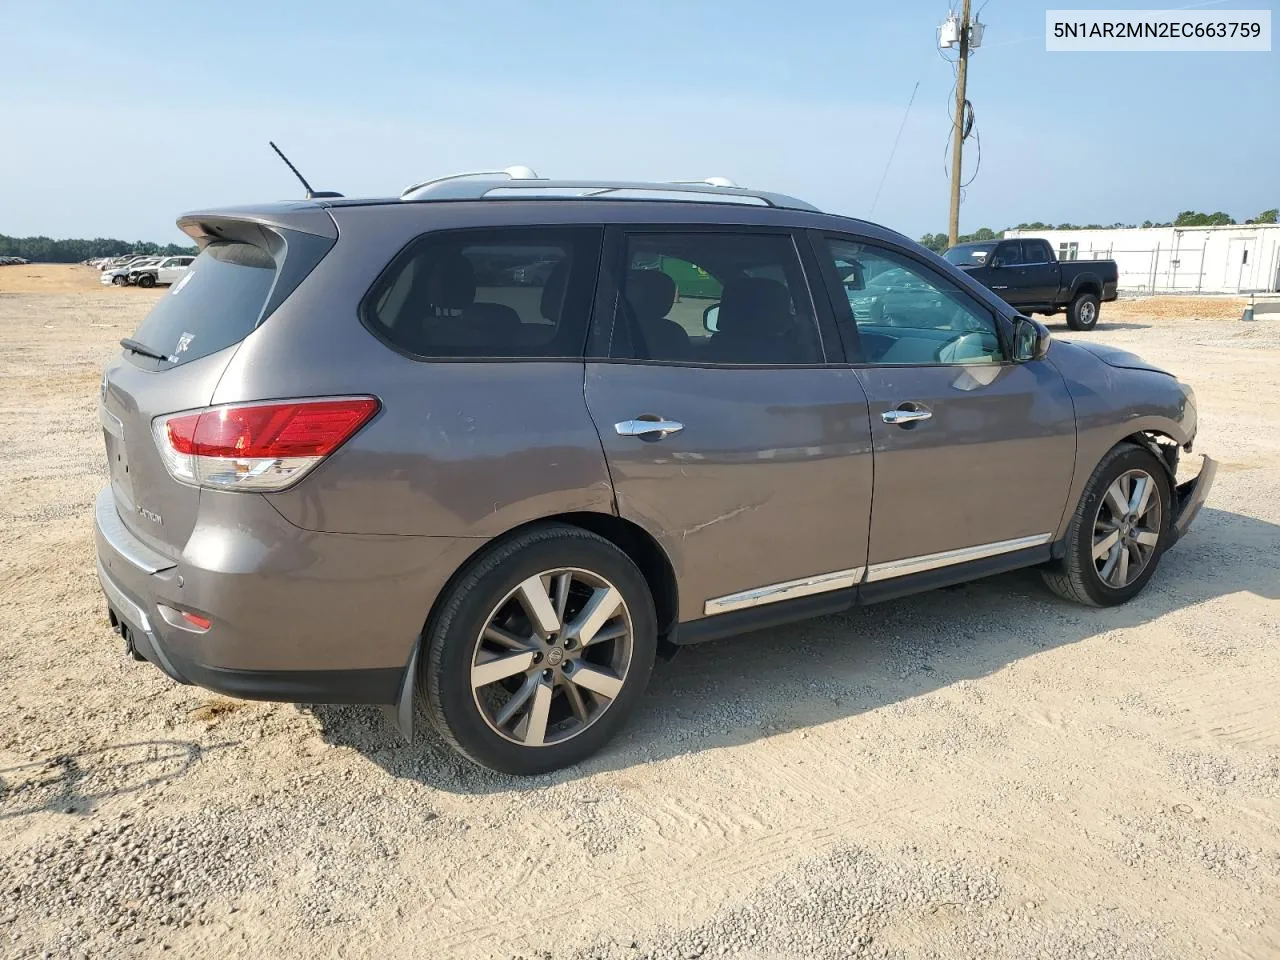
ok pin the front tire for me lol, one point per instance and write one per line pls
(118, 281)
(1083, 312)
(146, 280)
(539, 652)
(1118, 532)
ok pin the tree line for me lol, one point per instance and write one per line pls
(48, 250)
(937, 242)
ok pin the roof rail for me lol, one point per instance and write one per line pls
(522, 183)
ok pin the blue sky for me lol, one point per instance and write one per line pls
(116, 118)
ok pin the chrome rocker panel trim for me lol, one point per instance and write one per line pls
(788, 590)
(931, 561)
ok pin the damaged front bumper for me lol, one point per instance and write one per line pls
(1189, 497)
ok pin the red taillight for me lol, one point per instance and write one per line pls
(308, 428)
(197, 621)
(259, 446)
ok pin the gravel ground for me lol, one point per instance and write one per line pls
(979, 772)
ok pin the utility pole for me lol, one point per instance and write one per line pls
(957, 132)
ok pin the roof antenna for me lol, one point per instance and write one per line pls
(311, 194)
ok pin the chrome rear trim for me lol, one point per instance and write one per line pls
(122, 541)
(757, 596)
(931, 561)
(122, 605)
(110, 422)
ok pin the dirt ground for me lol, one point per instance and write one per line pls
(979, 772)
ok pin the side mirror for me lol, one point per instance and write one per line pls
(711, 317)
(993, 262)
(1031, 339)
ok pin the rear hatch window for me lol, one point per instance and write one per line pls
(217, 303)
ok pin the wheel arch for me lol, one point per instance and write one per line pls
(1163, 444)
(633, 540)
(1087, 283)
(1162, 438)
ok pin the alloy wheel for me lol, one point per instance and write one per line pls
(552, 657)
(1126, 528)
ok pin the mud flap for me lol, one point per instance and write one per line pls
(401, 712)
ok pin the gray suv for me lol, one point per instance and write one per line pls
(481, 452)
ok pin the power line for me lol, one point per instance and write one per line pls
(894, 149)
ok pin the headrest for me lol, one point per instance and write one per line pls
(553, 293)
(754, 305)
(452, 283)
(650, 293)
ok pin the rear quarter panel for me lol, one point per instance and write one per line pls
(459, 449)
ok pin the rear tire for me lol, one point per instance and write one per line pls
(1090, 572)
(1083, 312)
(504, 680)
(146, 280)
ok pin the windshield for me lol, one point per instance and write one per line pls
(969, 254)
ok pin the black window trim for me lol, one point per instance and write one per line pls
(588, 286)
(613, 263)
(844, 312)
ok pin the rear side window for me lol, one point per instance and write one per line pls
(1010, 253)
(1035, 251)
(216, 303)
(716, 298)
(519, 292)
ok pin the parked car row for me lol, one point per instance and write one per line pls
(12, 261)
(146, 271)
(110, 263)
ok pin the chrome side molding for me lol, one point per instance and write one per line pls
(840, 579)
(124, 543)
(789, 590)
(931, 561)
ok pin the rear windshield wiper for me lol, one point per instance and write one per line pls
(135, 346)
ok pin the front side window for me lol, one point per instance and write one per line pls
(520, 292)
(907, 314)
(718, 298)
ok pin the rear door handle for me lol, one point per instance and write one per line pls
(905, 415)
(648, 428)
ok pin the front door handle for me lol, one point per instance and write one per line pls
(905, 415)
(648, 428)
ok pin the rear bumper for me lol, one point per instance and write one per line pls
(296, 616)
(1190, 498)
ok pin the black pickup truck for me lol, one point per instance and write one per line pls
(1027, 276)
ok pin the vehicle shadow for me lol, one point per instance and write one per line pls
(734, 691)
(77, 782)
